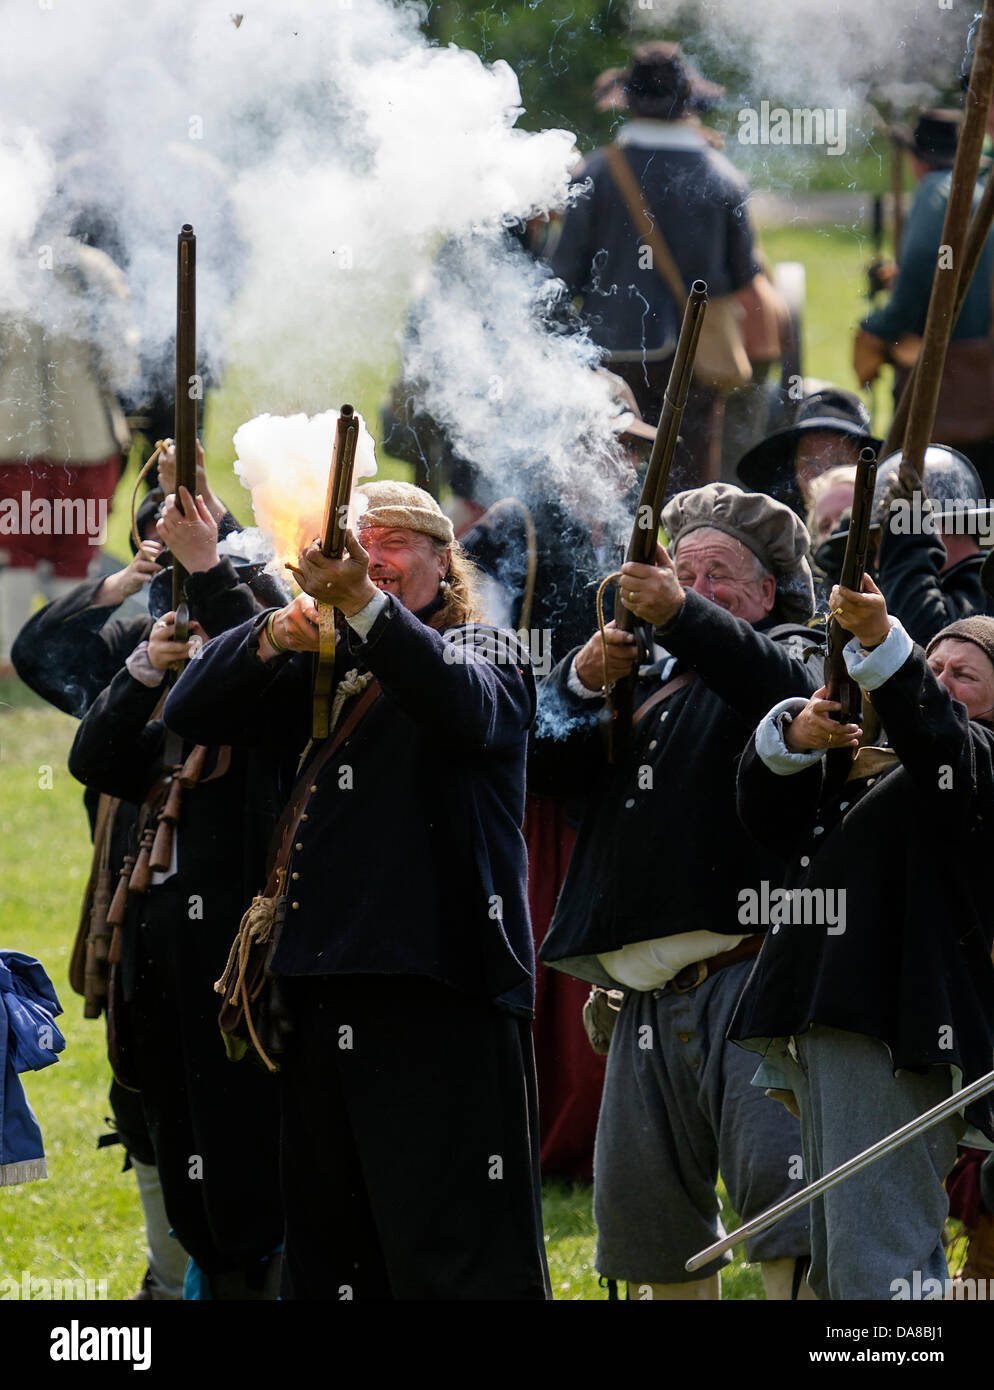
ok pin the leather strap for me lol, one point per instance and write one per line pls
(286, 829)
(628, 186)
(695, 974)
(670, 688)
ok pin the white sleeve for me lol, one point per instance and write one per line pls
(771, 745)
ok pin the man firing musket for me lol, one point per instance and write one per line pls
(650, 901)
(403, 916)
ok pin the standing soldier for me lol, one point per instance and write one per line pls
(409, 1150)
(652, 898)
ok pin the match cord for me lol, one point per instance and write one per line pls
(160, 444)
(611, 578)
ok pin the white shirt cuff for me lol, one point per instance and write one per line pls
(771, 745)
(361, 622)
(141, 668)
(576, 685)
(870, 669)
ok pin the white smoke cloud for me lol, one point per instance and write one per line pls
(323, 152)
(834, 55)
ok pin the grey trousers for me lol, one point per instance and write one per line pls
(679, 1104)
(884, 1223)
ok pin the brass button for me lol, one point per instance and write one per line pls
(305, 816)
(295, 906)
(298, 845)
(684, 1037)
(314, 786)
(295, 876)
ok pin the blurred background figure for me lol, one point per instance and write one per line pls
(695, 201)
(965, 413)
(63, 437)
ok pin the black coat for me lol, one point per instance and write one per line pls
(918, 594)
(699, 200)
(660, 850)
(412, 859)
(912, 848)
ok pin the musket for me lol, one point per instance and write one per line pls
(880, 1149)
(839, 684)
(336, 513)
(976, 238)
(185, 401)
(939, 321)
(645, 532)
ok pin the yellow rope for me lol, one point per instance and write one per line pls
(611, 578)
(160, 444)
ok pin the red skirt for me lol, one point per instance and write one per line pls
(570, 1074)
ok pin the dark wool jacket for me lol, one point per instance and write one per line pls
(660, 849)
(699, 200)
(923, 599)
(225, 822)
(71, 648)
(411, 860)
(912, 848)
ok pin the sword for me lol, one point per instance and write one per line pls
(845, 1170)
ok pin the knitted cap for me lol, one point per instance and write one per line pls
(772, 531)
(402, 504)
(979, 630)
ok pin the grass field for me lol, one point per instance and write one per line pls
(84, 1222)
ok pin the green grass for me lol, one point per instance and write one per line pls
(85, 1221)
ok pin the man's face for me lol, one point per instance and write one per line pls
(404, 563)
(819, 450)
(828, 510)
(722, 569)
(967, 674)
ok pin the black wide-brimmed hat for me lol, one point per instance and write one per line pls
(934, 137)
(663, 83)
(769, 465)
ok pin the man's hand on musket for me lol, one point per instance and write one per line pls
(622, 651)
(166, 469)
(294, 628)
(191, 534)
(344, 584)
(813, 729)
(163, 649)
(652, 592)
(864, 615)
(117, 587)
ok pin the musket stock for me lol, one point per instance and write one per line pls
(645, 532)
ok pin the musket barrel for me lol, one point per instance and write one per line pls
(642, 546)
(939, 322)
(976, 239)
(187, 382)
(838, 683)
(880, 1149)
